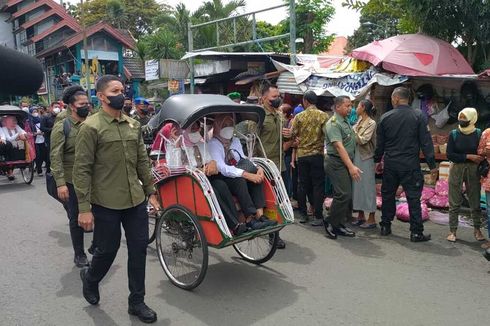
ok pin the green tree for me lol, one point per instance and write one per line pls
(176, 21)
(116, 12)
(162, 44)
(312, 17)
(265, 29)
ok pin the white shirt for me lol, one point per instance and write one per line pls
(2, 135)
(11, 135)
(217, 151)
(39, 138)
(174, 155)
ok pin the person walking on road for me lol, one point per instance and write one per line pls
(462, 151)
(112, 180)
(308, 127)
(63, 137)
(401, 134)
(341, 144)
(364, 191)
(47, 124)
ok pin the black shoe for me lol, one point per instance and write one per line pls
(317, 222)
(90, 293)
(281, 244)
(256, 225)
(486, 254)
(143, 312)
(240, 229)
(419, 237)
(385, 230)
(329, 230)
(266, 220)
(81, 260)
(344, 231)
(91, 250)
(304, 219)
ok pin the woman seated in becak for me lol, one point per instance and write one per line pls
(14, 141)
(227, 151)
(187, 148)
(5, 147)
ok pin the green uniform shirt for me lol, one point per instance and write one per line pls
(270, 137)
(338, 129)
(142, 120)
(62, 115)
(63, 151)
(110, 162)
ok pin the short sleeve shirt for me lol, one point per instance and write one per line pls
(338, 129)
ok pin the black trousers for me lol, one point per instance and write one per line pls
(41, 153)
(294, 182)
(47, 143)
(107, 232)
(311, 183)
(225, 200)
(76, 232)
(341, 208)
(412, 183)
(6, 151)
(249, 195)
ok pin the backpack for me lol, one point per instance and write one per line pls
(51, 186)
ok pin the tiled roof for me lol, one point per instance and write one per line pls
(135, 67)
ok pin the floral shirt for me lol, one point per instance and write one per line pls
(485, 137)
(308, 127)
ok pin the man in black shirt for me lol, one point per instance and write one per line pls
(47, 124)
(401, 133)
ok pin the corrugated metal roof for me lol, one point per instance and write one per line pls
(135, 67)
(287, 84)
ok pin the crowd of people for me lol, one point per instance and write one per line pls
(100, 164)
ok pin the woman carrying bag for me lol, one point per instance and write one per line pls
(462, 150)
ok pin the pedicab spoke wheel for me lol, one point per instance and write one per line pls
(152, 221)
(258, 250)
(28, 173)
(182, 247)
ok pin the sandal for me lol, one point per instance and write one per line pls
(358, 222)
(478, 235)
(368, 226)
(451, 237)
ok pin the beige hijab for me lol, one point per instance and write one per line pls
(472, 116)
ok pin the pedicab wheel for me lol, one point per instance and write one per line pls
(258, 250)
(152, 221)
(182, 247)
(28, 173)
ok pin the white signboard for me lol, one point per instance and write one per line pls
(152, 70)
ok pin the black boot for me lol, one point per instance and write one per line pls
(385, 229)
(81, 260)
(419, 237)
(329, 229)
(143, 312)
(90, 292)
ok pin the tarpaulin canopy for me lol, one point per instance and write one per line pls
(414, 55)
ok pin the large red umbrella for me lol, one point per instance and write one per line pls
(414, 55)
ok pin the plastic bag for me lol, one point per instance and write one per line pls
(441, 117)
(442, 188)
(379, 201)
(328, 202)
(439, 201)
(403, 214)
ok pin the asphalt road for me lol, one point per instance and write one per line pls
(316, 281)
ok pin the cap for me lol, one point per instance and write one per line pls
(252, 100)
(234, 95)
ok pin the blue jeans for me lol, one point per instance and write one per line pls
(487, 195)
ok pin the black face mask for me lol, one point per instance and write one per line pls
(116, 102)
(463, 123)
(276, 103)
(127, 108)
(83, 111)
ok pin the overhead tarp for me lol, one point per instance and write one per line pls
(203, 54)
(353, 85)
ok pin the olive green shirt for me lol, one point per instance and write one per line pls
(110, 162)
(62, 115)
(270, 137)
(63, 151)
(338, 129)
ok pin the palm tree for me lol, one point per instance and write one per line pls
(216, 9)
(116, 12)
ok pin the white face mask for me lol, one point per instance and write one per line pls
(35, 115)
(56, 110)
(25, 109)
(194, 137)
(227, 132)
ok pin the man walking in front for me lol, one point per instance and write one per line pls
(308, 127)
(341, 144)
(112, 180)
(401, 134)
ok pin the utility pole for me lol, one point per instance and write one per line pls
(190, 39)
(85, 51)
(292, 31)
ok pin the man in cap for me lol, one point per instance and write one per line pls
(141, 113)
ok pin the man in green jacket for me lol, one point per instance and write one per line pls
(112, 179)
(63, 136)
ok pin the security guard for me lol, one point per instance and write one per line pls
(341, 143)
(112, 181)
(63, 138)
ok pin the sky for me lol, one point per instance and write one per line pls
(344, 23)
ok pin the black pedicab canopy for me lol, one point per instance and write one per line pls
(13, 110)
(186, 109)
